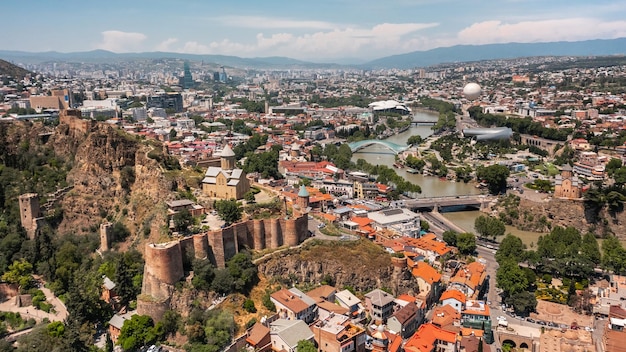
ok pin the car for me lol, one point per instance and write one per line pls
(501, 318)
(498, 350)
(320, 226)
(530, 320)
(541, 322)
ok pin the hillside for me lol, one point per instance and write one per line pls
(361, 265)
(8, 69)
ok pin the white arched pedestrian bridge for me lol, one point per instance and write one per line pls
(396, 148)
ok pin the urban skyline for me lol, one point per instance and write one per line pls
(330, 30)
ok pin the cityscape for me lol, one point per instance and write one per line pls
(455, 189)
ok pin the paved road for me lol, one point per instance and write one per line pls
(30, 312)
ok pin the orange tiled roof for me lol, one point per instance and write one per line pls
(290, 300)
(361, 221)
(426, 337)
(452, 293)
(445, 315)
(471, 275)
(328, 217)
(426, 272)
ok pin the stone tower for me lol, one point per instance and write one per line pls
(303, 199)
(30, 213)
(106, 234)
(228, 158)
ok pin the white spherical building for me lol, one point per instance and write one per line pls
(472, 91)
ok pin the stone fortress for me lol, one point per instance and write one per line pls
(164, 261)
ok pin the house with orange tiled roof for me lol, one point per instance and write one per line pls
(476, 315)
(429, 338)
(453, 298)
(470, 280)
(294, 304)
(406, 320)
(429, 246)
(428, 281)
(446, 317)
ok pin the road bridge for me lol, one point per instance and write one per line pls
(436, 203)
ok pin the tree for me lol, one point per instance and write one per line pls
(511, 278)
(182, 220)
(229, 210)
(523, 302)
(424, 225)
(511, 248)
(612, 166)
(306, 346)
(249, 197)
(450, 237)
(466, 243)
(489, 227)
(613, 254)
(589, 248)
(495, 176)
(136, 332)
(415, 140)
(203, 274)
(248, 305)
(20, 273)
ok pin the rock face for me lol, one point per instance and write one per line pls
(566, 213)
(112, 172)
(361, 265)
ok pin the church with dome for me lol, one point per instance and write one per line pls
(226, 181)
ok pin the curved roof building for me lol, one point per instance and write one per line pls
(486, 134)
(390, 105)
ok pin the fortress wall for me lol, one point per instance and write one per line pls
(200, 246)
(76, 123)
(164, 261)
(290, 237)
(187, 248)
(267, 227)
(154, 308)
(302, 228)
(258, 234)
(275, 233)
(242, 235)
(217, 247)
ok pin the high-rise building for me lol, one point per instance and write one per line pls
(186, 81)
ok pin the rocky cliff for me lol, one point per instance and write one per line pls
(361, 265)
(114, 179)
(541, 216)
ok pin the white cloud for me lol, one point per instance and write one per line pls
(571, 29)
(166, 45)
(386, 38)
(272, 23)
(119, 42)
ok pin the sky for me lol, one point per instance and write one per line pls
(312, 30)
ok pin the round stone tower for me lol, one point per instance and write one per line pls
(227, 158)
(303, 199)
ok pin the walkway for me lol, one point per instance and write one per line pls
(59, 314)
(396, 148)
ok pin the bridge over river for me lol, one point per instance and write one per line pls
(436, 203)
(394, 147)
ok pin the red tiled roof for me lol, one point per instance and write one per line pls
(425, 338)
(452, 293)
(426, 272)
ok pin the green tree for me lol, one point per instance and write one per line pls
(613, 254)
(523, 302)
(424, 225)
(248, 305)
(229, 210)
(495, 176)
(511, 248)
(182, 220)
(489, 227)
(415, 140)
(613, 165)
(136, 332)
(203, 274)
(249, 197)
(466, 243)
(511, 278)
(589, 248)
(20, 273)
(306, 346)
(450, 237)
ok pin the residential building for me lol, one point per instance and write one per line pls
(379, 304)
(348, 300)
(429, 338)
(428, 282)
(176, 206)
(285, 334)
(470, 280)
(259, 338)
(446, 317)
(293, 304)
(476, 316)
(227, 181)
(406, 320)
(399, 220)
(336, 333)
(117, 322)
(614, 332)
(454, 298)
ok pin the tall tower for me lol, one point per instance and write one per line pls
(228, 158)
(106, 232)
(29, 213)
(303, 199)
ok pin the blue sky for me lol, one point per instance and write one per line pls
(318, 30)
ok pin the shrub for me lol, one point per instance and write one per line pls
(248, 305)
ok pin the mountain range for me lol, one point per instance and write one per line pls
(458, 53)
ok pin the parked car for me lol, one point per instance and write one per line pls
(530, 320)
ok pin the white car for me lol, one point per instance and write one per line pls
(501, 318)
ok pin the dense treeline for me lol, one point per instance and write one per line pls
(524, 125)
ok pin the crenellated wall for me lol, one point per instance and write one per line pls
(164, 261)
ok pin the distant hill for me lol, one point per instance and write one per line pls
(466, 53)
(8, 69)
(103, 56)
(458, 53)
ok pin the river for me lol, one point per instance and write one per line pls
(433, 186)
